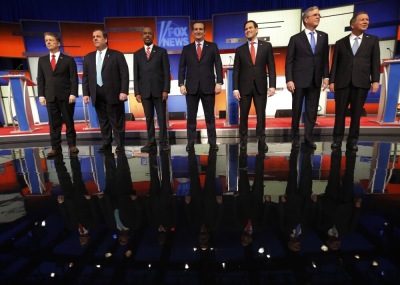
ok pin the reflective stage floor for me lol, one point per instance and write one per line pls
(226, 217)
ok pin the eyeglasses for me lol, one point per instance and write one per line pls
(314, 15)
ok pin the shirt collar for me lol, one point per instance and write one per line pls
(353, 36)
(151, 46)
(255, 41)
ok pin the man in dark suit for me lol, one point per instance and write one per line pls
(355, 70)
(250, 82)
(106, 81)
(307, 66)
(152, 85)
(57, 82)
(198, 81)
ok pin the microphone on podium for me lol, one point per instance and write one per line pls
(230, 60)
(390, 51)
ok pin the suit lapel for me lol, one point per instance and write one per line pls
(364, 43)
(306, 42)
(347, 44)
(59, 61)
(320, 39)
(204, 50)
(106, 59)
(153, 52)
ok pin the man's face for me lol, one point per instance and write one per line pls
(147, 36)
(99, 41)
(52, 44)
(250, 31)
(198, 32)
(313, 18)
(361, 23)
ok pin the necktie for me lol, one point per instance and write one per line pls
(253, 53)
(53, 62)
(148, 52)
(199, 51)
(355, 46)
(312, 41)
(98, 70)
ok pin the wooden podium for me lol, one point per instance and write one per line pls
(18, 92)
(389, 98)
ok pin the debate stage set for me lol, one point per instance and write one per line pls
(205, 217)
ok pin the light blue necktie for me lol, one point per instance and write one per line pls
(312, 41)
(355, 46)
(98, 70)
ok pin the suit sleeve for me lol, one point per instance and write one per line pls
(289, 60)
(271, 68)
(85, 77)
(375, 62)
(332, 75)
(182, 68)
(123, 73)
(136, 75)
(166, 70)
(73, 77)
(40, 80)
(236, 70)
(218, 66)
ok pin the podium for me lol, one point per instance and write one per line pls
(232, 104)
(18, 92)
(389, 98)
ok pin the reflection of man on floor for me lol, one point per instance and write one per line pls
(75, 203)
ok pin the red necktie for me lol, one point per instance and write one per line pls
(53, 62)
(253, 53)
(199, 51)
(148, 52)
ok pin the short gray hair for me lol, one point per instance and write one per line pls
(307, 11)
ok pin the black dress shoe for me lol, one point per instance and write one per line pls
(295, 144)
(165, 146)
(120, 148)
(105, 147)
(190, 147)
(148, 147)
(336, 145)
(262, 146)
(352, 146)
(214, 146)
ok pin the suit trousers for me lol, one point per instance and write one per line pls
(161, 106)
(260, 103)
(111, 118)
(356, 97)
(59, 112)
(192, 103)
(310, 96)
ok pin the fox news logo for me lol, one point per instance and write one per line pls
(173, 35)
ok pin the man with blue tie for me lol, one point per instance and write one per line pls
(306, 68)
(355, 71)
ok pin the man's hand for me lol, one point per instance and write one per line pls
(123, 97)
(325, 84)
(183, 90)
(271, 92)
(332, 87)
(42, 101)
(374, 87)
(217, 88)
(290, 86)
(165, 96)
(72, 99)
(86, 99)
(236, 95)
(138, 98)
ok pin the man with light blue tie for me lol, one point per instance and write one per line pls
(355, 71)
(307, 67)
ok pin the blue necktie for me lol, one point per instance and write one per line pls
(98, 70)
(312, 41)
(355, 46)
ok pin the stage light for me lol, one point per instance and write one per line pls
(98, 266)
(324, 248)
(43, 224)
(186, 266)
(261, 250)
(108, 254)
(357, 256)
(375, 263)
(52, 274)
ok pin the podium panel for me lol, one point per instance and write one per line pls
(389, 98)
(232, 105)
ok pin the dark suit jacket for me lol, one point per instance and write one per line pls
(152, 77)
(360, 69)
(114, 72)
(302, 66)
(58, 84)
(244, 72)
(201, 72)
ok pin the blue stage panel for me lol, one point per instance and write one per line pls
(228, 27)
(33, 34)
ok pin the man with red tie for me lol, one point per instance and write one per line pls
(57, 82)
(250, 82)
